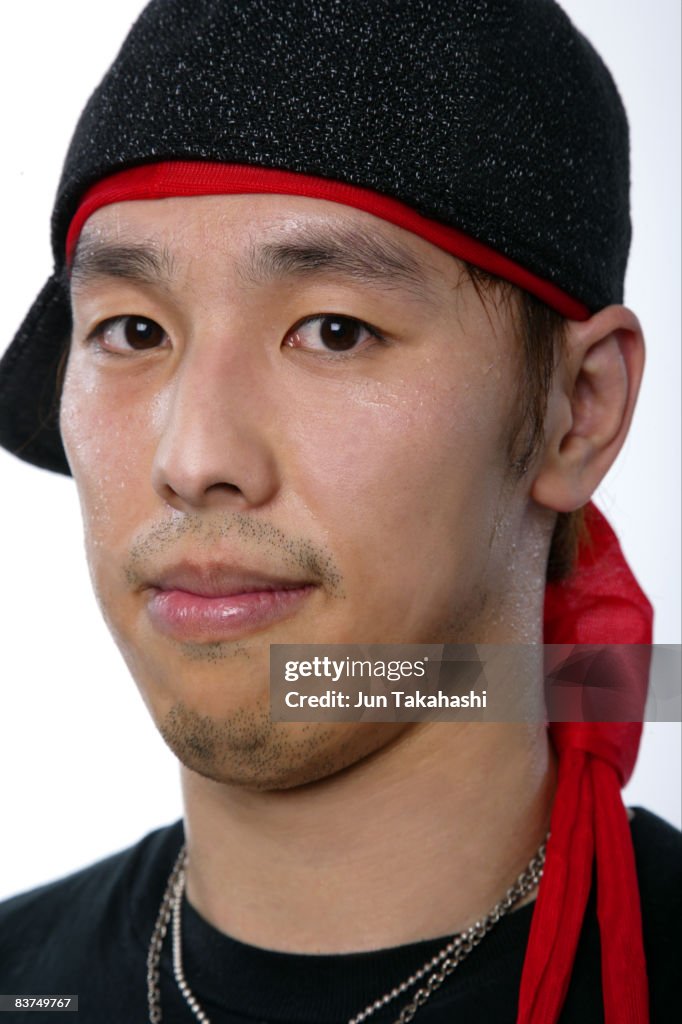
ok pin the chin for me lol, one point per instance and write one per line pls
(249, 750)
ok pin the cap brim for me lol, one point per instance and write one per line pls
(29, 408)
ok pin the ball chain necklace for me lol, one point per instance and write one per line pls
(433, 973)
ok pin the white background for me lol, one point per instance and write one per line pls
(82, 770)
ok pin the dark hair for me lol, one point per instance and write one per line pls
(540, 334)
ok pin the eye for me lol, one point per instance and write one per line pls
(330, 333)
(123, 333)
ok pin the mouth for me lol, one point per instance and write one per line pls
(218, 602)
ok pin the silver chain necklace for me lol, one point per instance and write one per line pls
(433, 972)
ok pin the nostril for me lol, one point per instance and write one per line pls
(224, 487)
(195, 494)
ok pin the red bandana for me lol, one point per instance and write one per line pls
(600, 603)
(194, 178)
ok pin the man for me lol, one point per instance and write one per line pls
(309, 408)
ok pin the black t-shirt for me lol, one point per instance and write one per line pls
(89, 935)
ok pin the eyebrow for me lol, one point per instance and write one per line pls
(349, 252)
(132, 261)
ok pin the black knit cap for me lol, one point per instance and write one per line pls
(495, 117)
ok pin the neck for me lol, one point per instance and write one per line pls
(413, 842)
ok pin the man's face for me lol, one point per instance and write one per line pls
(288, 422)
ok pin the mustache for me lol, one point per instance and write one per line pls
(229, 536)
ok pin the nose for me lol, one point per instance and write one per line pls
(215, 429)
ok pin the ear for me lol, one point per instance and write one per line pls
(590, 407)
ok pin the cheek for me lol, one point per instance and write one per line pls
(399, 471)
(108, 458)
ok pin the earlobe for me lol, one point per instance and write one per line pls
(590, 407)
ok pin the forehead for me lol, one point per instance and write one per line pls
(260, 236)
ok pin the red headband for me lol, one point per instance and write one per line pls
(195, 178)
(600, 603)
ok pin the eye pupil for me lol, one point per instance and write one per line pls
(142, 333)
(339, 333)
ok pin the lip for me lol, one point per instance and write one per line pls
(218, 602)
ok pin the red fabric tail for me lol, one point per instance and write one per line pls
(624, 977)
(560, 906)
(601, 603)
